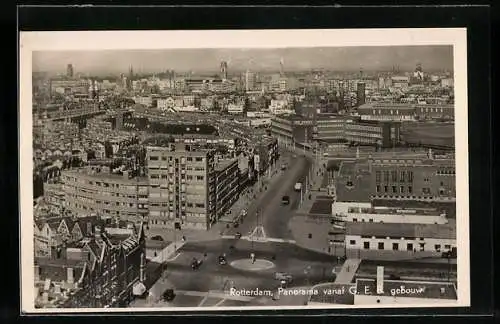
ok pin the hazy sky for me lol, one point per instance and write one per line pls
(207, 60)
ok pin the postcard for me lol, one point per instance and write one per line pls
(243, 169)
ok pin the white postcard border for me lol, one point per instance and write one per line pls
(113, 40)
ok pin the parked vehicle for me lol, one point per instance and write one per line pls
(168, 295)
(222, 260)
(283, 276)
(237, 235)
(298, 186)
(285, 200)
(283, 166)
(196, 264)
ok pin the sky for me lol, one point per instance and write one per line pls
(208, 60)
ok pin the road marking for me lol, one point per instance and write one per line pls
(267, 239)
(204, 300)
(174, 257)
(220, 302)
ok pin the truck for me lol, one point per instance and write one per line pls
(298, 186)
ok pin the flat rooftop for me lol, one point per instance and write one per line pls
(438, 231)
(412, 289)
(442, 207)
(398, 211)
(103, 175)
(223, 164)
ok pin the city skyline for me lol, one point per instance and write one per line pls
(366, 58)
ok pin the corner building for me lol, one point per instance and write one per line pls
(181, 187)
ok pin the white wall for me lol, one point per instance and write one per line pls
(342, 209)
(429, 243)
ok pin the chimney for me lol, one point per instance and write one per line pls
(380, 280)
(45, 297)
(89, 228)
(46, 285)
(97, 234)
(70, 276)
(37, 273)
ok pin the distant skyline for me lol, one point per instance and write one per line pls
(379, 58)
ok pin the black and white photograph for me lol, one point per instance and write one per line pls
(258, 169)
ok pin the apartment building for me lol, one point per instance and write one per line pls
(95, 190)
(227, 182)
(181, 187)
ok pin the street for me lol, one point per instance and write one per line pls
(306, 267)
(268, 210)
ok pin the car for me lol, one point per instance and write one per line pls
(283, 166)
(222, 260)
(168, 295)
(283, 276)
(196, 264)
(237, 235)
(285, 200)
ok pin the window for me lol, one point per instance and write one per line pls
(386, 188)
(200, 178)
(409, 247)
(395, 246)
(352, 242)
(447, 246)
(437, 247)
(422, 246)
(371, 220)
(410, 189)
(410, 176)
(394, 176)
(354, 219)
(394, 189)
(199, 159)
(366, 245)
(381, 245)
(378, 188)
(189, 159)
(153, 158)
(402, 176)
(386, 176)
(402, 189)
(377, 176)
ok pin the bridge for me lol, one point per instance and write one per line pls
(68, 115)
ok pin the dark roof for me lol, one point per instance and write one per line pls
(322, 206)
(56, 269)
(412, 289)
(443, 231)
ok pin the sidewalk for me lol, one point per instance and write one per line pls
(301, 227)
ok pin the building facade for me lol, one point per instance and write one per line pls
(227, 185)
(365, 212)
(420, 179)
(100, 271)
(96, 190)
(181, 187)
(409, 237)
